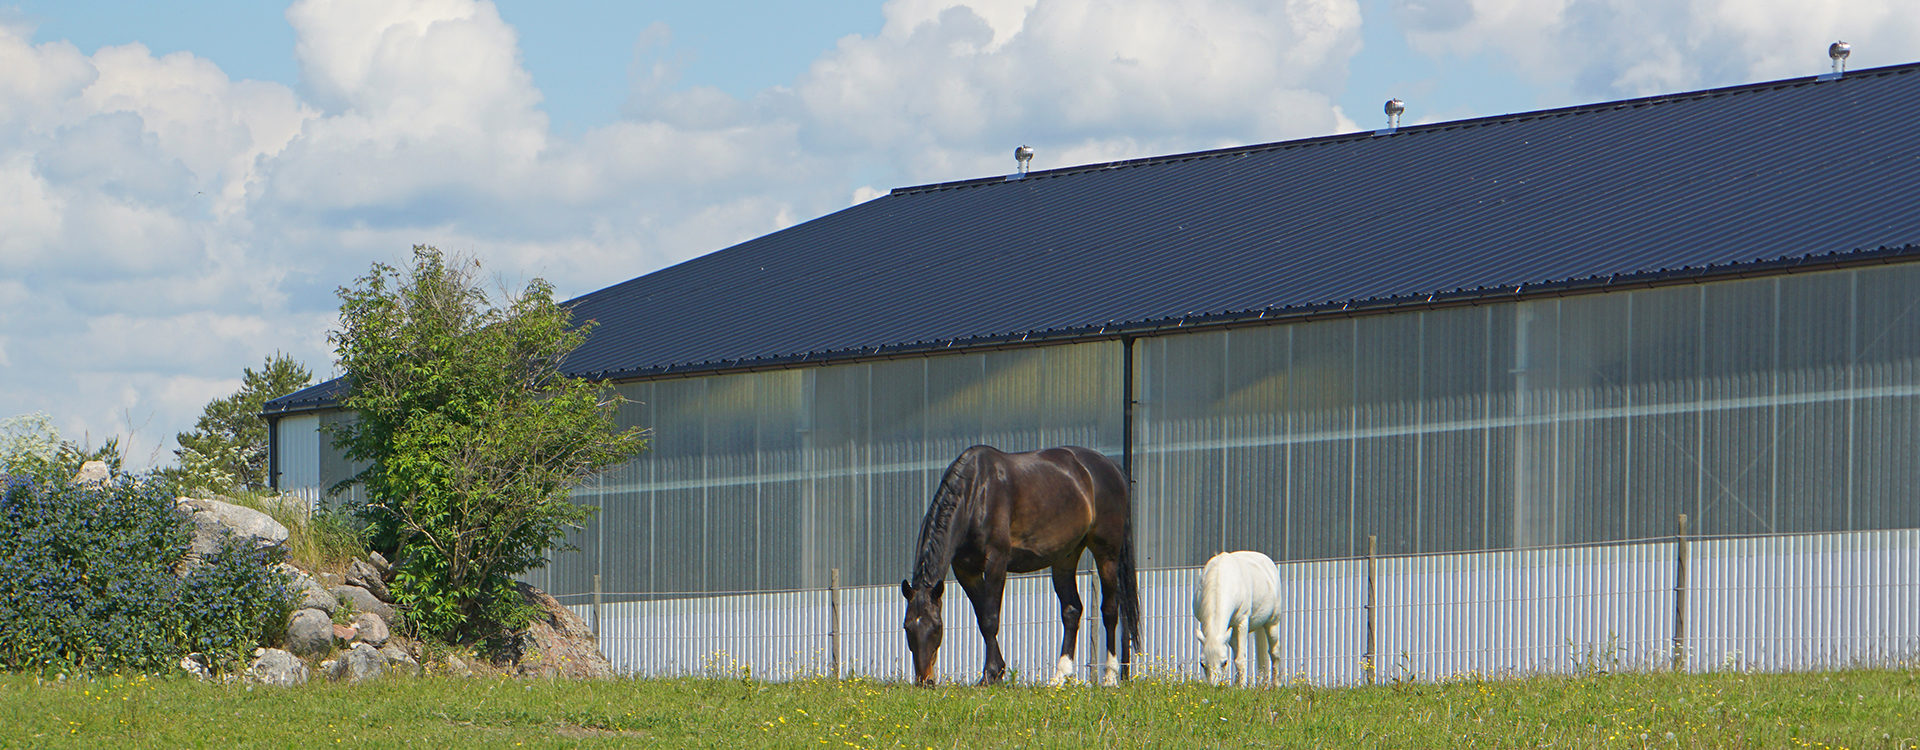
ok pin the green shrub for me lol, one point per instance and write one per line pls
(87, 582)
(234, 601)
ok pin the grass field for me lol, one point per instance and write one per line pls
(1855, 709)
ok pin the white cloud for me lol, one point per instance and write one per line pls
(1587, 49)
(167, 226)
(947, 90)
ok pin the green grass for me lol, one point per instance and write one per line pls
(323, 541)
(1858, 709)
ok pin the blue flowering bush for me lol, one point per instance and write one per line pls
(88, 583)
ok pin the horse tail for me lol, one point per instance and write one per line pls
(1129, 603)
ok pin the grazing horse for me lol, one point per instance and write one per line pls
(997, 512)
(1239, 592)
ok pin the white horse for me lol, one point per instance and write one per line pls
(1239, 592)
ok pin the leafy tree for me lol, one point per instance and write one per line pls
(472, 435)
(31, 446)
(227, 449)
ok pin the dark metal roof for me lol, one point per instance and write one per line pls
(1734, 180)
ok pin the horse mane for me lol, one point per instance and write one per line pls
(936, 530)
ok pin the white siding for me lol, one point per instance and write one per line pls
(298, 443)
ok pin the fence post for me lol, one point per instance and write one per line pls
(596, 607)
(1373, 634)
(1680, 598)
(833, 620)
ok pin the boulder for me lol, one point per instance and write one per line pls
(379, 563)
(364, 601)
(363, 574)
(276, 667)
(309, 632)
(93, 474)
(372, 629)
(399, 660)
(344, 634)
(196, 664)
(457, 666)
(315, 596)
(557, 644)
(361, 663)
(333, 669)
(214, 520)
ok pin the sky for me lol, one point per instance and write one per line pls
(184, 186)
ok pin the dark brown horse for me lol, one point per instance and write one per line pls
(1019, 512)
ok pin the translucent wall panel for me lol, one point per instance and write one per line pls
(1784, 404)
(1886, 413)
(769, 481)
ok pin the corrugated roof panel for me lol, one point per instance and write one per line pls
(1769, 173)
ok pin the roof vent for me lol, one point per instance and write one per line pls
(1023, 156)
(1394, 109)
(1838, 52)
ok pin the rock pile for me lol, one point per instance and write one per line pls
(348, 623)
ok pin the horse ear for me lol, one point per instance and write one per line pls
(939, 588)
(906, 589)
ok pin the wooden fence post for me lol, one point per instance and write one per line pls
(597, 610)
(833, 620)
(1373, 633)
(1680, 598)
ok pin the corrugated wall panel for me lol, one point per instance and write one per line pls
(1774, 603)
(297, 439)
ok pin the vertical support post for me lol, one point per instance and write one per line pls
(597, 609)
(1127, 402)
(833, 620)
(1680, 598)
(1373, 632)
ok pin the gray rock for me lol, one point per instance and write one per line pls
(399, 660)
(363, 600)
(373, 630)
(93, 473)
(196, 664)
(362, 663)
(458, 667)
(315, 596)
(276, 667)
(361, 573)
(379, 562)
(213, 520)
(557, 643)
(309, 632)
(334, 669)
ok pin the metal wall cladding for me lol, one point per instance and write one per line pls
(1772, 603)
(298, 457)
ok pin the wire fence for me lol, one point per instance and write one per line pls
(1781, 602)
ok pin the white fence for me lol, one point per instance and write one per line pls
(1774, 603)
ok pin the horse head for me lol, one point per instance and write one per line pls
(1213, 657)
(923, 628)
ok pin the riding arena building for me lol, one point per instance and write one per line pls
(1554, 330)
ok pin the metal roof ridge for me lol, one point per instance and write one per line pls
(1366, 135)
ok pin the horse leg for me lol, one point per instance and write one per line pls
(1067, 588)
(1241, 678)
(984, 590)
(1110, 617)
(1270, 656)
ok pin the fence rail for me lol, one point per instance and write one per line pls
(1764, 602)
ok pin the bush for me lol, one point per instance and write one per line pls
(87, 582)
(233, 602)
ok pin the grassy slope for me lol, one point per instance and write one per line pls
(1860, 709)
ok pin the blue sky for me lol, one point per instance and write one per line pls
(184, 185)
